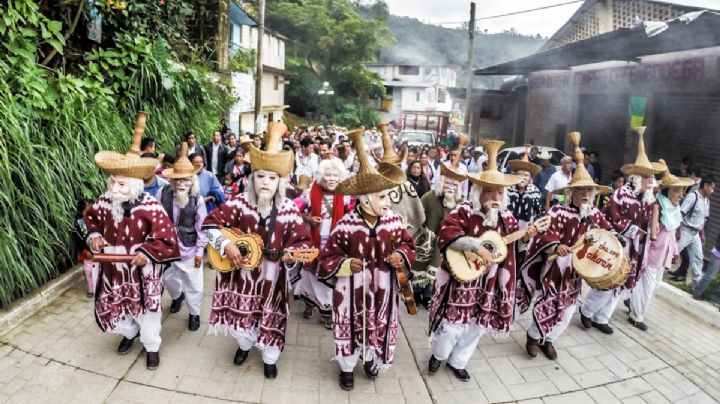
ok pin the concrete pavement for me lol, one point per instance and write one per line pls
(60, 355)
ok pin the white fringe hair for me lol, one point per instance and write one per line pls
(194, 188)
(475, 199)
(440, 183)
(330, 164)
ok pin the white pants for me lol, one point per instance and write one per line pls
(556, 332)
(247, 338)
(599, 305)
(644, 291)
(455, 342)
(147, 324)
(690, 239)
(184, 273)
(310, 288)
(347, 363)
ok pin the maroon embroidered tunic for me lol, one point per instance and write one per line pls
(554, 284)
(623, 210)
(352, 238)
(488, 301)
(123, 290)
(257, 300)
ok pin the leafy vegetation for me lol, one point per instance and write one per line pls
(55, 117)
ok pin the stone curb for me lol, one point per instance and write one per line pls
(701, 309)
(31, 304)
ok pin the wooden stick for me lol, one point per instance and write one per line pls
(112, 258)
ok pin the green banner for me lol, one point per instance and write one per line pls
(637, 111)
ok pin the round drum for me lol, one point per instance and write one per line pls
(601, 261)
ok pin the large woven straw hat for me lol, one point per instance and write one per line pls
(304, 182)
(451, 170)
(524, 163)
(642, 165)
(182, 168)
(244, 139)
(270, 159)
(492, 177)
(389, 156)
(129, 164)
(369, 179)
(581, 177)
(669, 180)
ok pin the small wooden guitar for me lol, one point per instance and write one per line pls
(466, 266)
(251, 249)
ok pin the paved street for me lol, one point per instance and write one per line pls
(60, 355)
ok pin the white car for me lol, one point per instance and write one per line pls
(513, 153)
(416, 138)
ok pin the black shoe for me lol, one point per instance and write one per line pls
(270, 371)
(193, 323)
(585, 320)
(125, 345)
(434, 364)
(638, 324)
(371, 370)
(461, 374)
(177, 303)
(240, 357)
(347, 381)
(152, 360)
(626, 302)
(604, 328)
(676, 278)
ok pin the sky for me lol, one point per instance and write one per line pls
(544, 22)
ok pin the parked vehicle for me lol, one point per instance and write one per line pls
(416, 138)
(427, 121)
(513, 153)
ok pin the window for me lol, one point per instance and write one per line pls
(276, 83)
(271, 116)
(409, 70)
(417, 96)
(442, 95)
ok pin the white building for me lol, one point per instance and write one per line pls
(413, 88)
(243, 36)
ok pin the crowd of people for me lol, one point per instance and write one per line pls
(384, 218)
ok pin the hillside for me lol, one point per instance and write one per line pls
(423, 44)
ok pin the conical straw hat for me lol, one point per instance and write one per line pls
(389, 156)
(524, 163)
(581, 177)
(451, 171)
(182, 168)
(369, 179)
(492, 177)
(304, 182)
(129, 164)
(270, 159)
(642, 165)
(669, 180)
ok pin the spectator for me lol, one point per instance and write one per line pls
(230, 188)
(232, 143)
(238, 168)
(154, 182)
(168, 161)
(589, 167)
(616, 181)
(542, 178)
(685, 164)
(695, 173)
(306, 161)
(415, 175)
(193, 148)
(210, 187)
(409, 158)
(476, 160)
(595, 161)
(325, 150)
(712, 269)
(244, 142)
(695, 210)
(147, 145)
(560, 179)
(534, 155)
(216, 153)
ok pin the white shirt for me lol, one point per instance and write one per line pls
(214, 164)
(306, 165)
(695, 210)
(558, 180)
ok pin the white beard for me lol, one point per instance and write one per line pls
(449, 200)
(182, 198)
(264, 203)
(492, 214)
(585, 209)
(648, 197)
(117, 210)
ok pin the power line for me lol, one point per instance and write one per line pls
(513, 13)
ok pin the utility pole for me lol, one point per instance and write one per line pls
(471, 57)
(259, 69)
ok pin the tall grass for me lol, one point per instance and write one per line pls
(46, 156)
